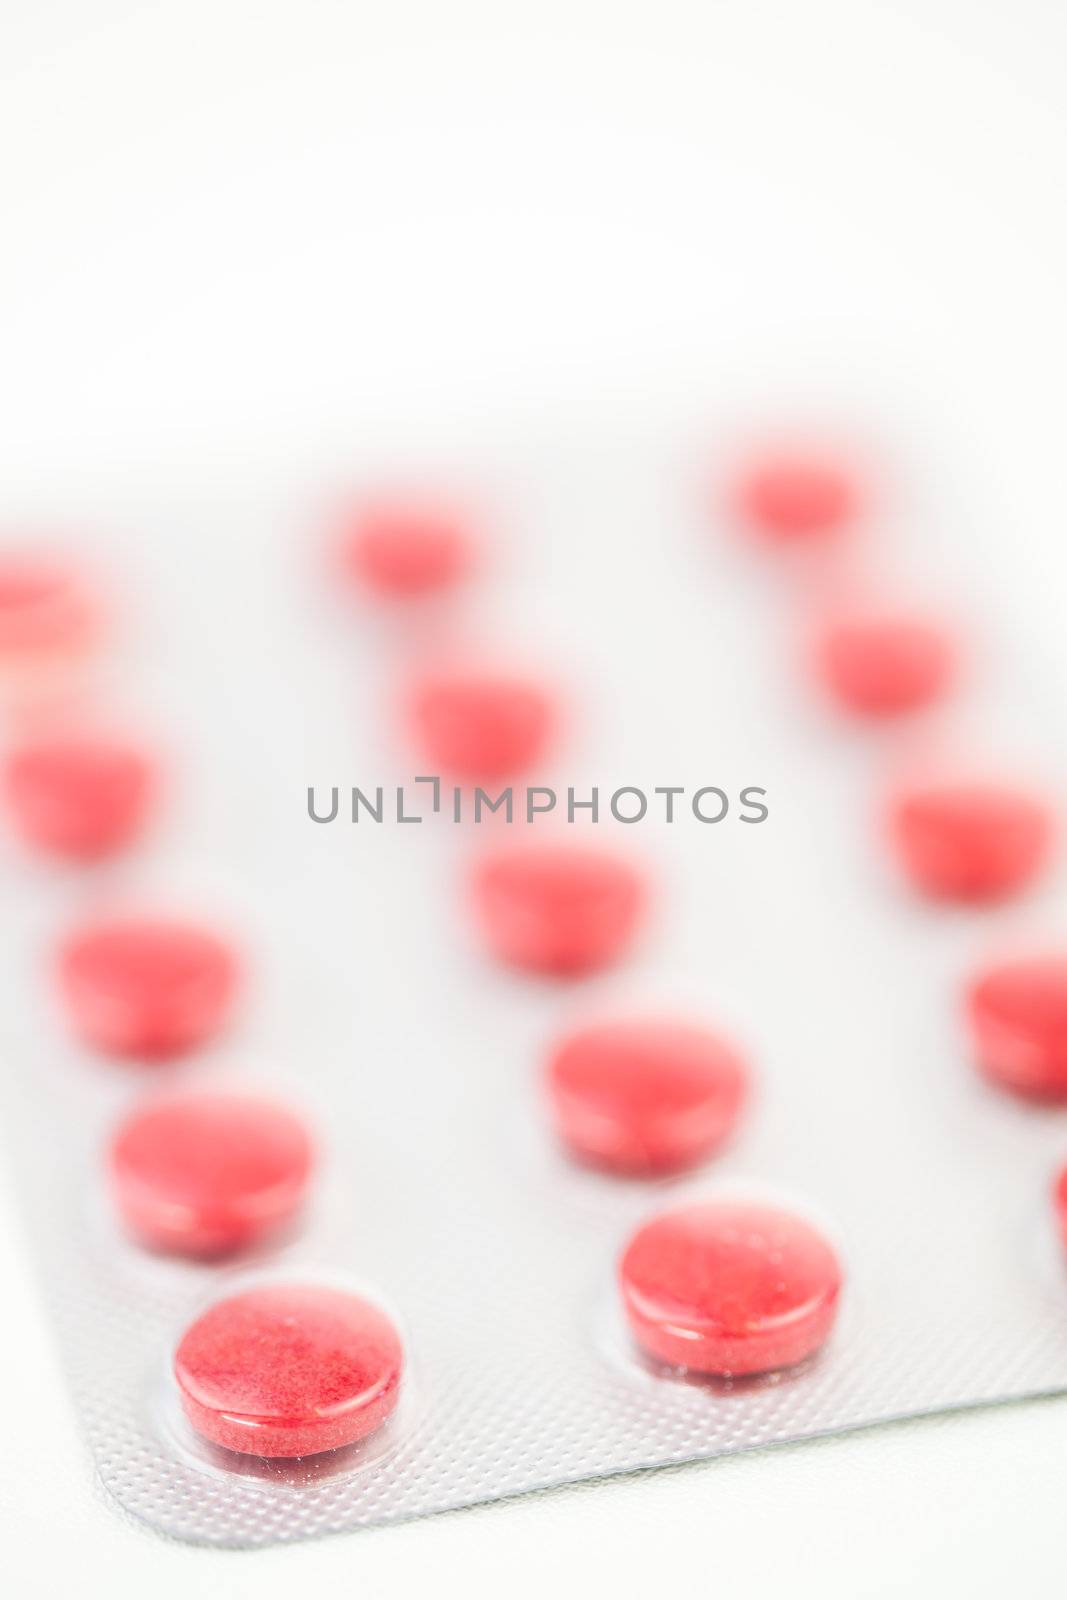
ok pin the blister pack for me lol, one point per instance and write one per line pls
(385, 1153)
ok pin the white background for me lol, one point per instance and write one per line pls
(241, 232)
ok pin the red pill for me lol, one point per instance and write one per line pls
(146, 987)
(729, 1289)
(45, 607)
(287, 1370)
(558, 908)
(970, 841)
(884, 664)
(206, 1174)
(788, 499)
(1059, 1198)
(81, 798)
(481, 727)
(404, 551)
(1017, 1013)
(645, 1097)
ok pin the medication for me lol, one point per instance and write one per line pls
(1017, 1013)
(557, 908)
(283, 1370)
(729, 1289)
(208, 1173)
(790, 499)
(1059, 1200)
(883, 663)
(79, 797)
(46, 607)
(970, 841)
(146, 987)
(405, 550)
(445, 1184)
(481, 727)
(644, 1097)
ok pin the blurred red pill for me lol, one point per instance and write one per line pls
(558, 908)
(45, 607)
(78, 797)
(788, 499)
(146, 987)
(404, 551)
(729, 1289)
(286, 1370)
(1059, 1200)
(481, 727)
(970, 841)
(884, 664)
(1017, 1012)
(645, 1097)
(205, 1174)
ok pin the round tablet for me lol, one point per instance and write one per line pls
(1017, 1013)
(81, 797)
(146, 987)
(404, 551)
(481, 727)
(645, 1097)
(209, 1173)
(884, 664)
(970, 841)
(288, 1370)
(559, 908)
(1059, 1200)
(790, 499)
(729, 1289)
(45, 607)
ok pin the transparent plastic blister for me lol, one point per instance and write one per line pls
(417, 1062)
